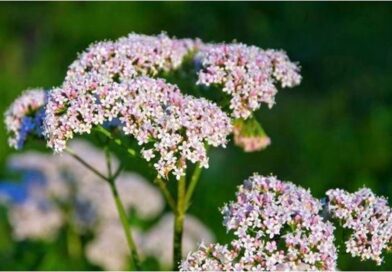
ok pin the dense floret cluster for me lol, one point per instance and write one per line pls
(25, 116)
(368, 217)
(277, 227)
(247, 73)
(131, 56)
(169, 125)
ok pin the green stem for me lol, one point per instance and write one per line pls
(122, 213)
(179, 223)
(126, 227)
(192, 185)
(166, 193)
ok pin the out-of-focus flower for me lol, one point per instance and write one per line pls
(158, 241)
(172, 127)
(35, 220)
(109, 248)
(247, 73)
(25, 116)
(110, 251)
(60, 181)
(277, 227)
(368, 217)
(249, 135)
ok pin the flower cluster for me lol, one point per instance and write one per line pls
(25, 116)
(171, 127)
(368, 217)
(131, 56)
(247, 73)
(277, 227)
(53, 183)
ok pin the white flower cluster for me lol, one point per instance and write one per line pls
(165, 122)
(368, 217)
(131, 56)
(247, 73)
(25, 116)
(277, 227)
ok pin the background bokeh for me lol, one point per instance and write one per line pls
(334, 130)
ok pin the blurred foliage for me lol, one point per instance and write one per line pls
(334, 130)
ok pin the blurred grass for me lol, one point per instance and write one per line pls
(334, 130)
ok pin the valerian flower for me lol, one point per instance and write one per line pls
(368, 217)
(247, 73)
(25, 116)
(131, 56)
(171, 127)
(277, 226)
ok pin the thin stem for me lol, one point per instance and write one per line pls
(86, 164)
(126, 227)
(192, 185)
(179, 223)
(166, 193)
(122, 213)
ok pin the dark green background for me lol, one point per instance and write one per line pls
(334, 130)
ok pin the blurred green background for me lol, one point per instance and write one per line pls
(334, 130)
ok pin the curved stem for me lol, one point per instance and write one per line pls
(166, 193)
(122, 213)
(126, 226)
(179, 223)
(119, 205)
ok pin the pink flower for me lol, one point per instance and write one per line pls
(368, 217)
(247, 73)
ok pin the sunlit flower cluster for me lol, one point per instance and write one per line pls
(131, 56)
(368, 217)
(171, 127)
(277, 227)
(25, 116)
(247, 73)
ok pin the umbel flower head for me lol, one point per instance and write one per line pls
(368, 217)
(131, 56)
(277, 226)
(247, 73)
(172, 128)
(25, 116)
